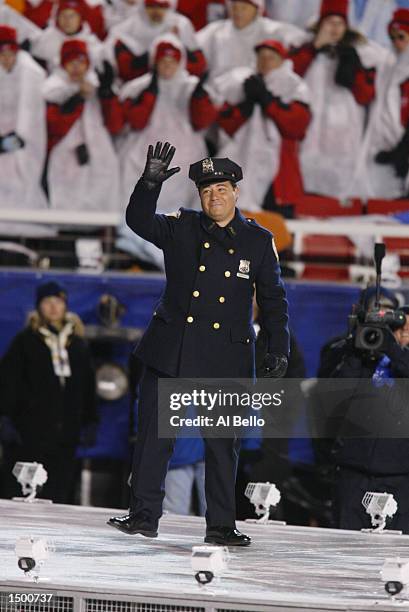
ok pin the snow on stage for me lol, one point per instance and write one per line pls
(94, 568)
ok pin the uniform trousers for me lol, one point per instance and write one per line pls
(151, 460)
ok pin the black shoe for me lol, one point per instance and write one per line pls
(132, 524)
(226, 536)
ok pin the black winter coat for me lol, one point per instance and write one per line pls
(46, 414)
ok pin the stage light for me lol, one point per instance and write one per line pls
(31, 555)
(395, 575)
(112, 382)
(379, 506)
(31, 476)
(208, 562)
(263, 495)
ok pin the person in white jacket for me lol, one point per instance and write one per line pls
(22, 128)
(83, 169)
(128, 44)
(68, 24)
(383, 169)
(339, 66)
(266, 114)
(229, 43)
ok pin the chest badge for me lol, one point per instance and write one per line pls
(244, 269)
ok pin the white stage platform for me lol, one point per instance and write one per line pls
(97, 569)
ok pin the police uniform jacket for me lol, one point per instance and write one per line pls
(202, 326)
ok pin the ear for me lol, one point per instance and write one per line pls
(236, 193)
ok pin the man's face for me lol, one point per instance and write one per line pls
(402, 334)
(167, 67)
(156, 14)
(52, 309)
(268, 60)
(8, 59)
(76, 69)
(69, 21)
(400, 40)
(242, 13)
(218, 201)
(335, 28)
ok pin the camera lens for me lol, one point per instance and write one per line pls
(372, 338)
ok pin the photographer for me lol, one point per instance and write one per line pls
(378, 464)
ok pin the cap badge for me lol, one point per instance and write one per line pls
(207, 166)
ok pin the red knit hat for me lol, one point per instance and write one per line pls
(260, 4)
(334, 7)
(73, 49)
(74, 5)
(274, 45)
(166, 49)
(400, 21)
(8, 38)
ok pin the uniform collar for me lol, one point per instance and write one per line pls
(232, 229)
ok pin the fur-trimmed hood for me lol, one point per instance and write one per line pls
(34, 322)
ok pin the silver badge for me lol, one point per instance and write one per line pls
(207, 166)
(244, 266)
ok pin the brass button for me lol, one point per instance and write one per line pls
(189, 319)
(202, 268)
(206, 245)
(231, 251)
(196, 293)
(216, 325)
(247, 341)
(154, 314)
(227, 274)
(222, 299)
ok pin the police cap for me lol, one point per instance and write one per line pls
(213, 170)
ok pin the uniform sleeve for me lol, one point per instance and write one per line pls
(271, 299)
(130, 66)
(61, 117)
(137, 112)
(404, 92)
(291, 119)
(202, 110)
(232, 117)
(302, 57)
(142, 218)
(113, 114)
(196, 62)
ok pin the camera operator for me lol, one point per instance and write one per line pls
(378, 464)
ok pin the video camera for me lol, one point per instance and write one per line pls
(371, 328)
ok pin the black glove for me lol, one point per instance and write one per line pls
(140, 62)
(274, 366)
(348, 64)
(255, 90)
(398, 157)
(11, 142)
(106, 78)
(157, 164)
(199, 91)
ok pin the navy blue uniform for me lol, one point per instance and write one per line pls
(202, 327)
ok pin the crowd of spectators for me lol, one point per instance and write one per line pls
(307, 96)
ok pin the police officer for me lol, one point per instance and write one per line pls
(202, 326)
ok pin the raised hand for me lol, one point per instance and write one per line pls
(157, 164)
